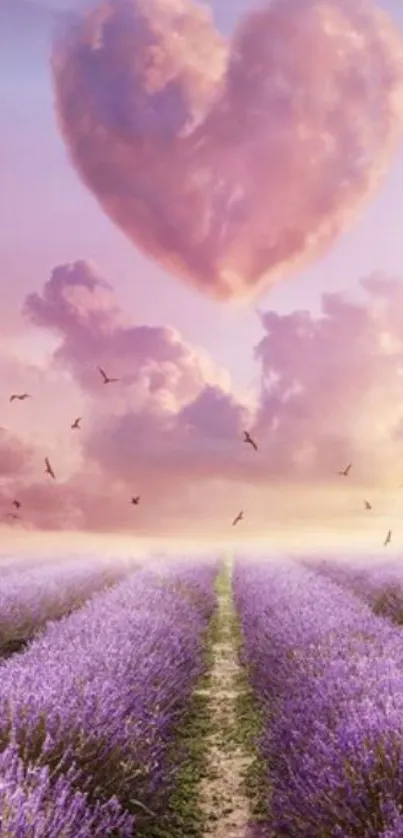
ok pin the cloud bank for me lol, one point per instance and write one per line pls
(231, 164)
(171, 429)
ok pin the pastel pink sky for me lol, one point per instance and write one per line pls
(314, 368)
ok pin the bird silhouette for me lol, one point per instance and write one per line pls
(248, 439)
(19, 396)
(13, 516)
(76, 424)
(106, 378)
(136, 500)
(367, 504)
(346, 471)
(239, 517)
(388, 538)
(49, 469)
(17, 504)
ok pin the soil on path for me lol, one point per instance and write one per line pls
(223, 797)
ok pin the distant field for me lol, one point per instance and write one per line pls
(229, 697)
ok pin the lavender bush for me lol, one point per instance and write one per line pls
(329, 677)
(29, 599)
(104, 688)
(31, 806)
(380, 585)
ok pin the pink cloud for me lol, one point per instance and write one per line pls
(15, 456)
(332, 385)
(201, 441)
(158, 431)
(171, 431)
(80, 307)
(45, 506)
(231, 164)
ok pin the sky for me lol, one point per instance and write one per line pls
(230, 251)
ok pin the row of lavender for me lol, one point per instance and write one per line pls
(378, 584)
(93, 704)
(11, 563)
(31, 597)
(22, 563)
(328, 675)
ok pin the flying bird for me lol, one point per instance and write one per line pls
(76, 424)
(346, 471)
(388, 538)
(106, 378)
(17, 504)
(239, 517)
(248, 439)
(49, 469)
(136, 500)
(13, 516)
(20, 396)
(367, 504)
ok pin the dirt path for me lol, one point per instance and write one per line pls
(222, 797)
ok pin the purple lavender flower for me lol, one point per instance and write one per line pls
(104, 688)
(34, 807)
(329, 677)
(29, 599)
(378, 584)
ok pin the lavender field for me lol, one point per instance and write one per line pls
(89, 708)
(213, 696)
(380, 584)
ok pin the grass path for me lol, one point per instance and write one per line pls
(220, 790)
(223, 791)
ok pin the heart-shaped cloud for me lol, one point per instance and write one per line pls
(231, 164)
